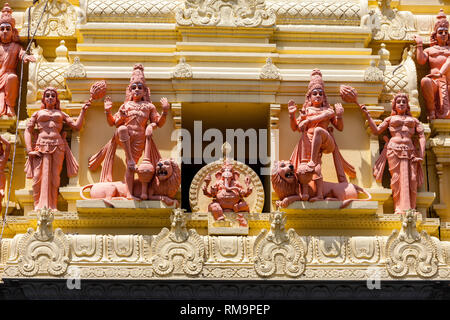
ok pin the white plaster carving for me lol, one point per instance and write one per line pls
(59, 20)
(390, 24)
(269, 71)
(410, 253)
(225, 13)
(277, 252)
(178, 251)
(43, 251)
(75, 70)
(182, 70)
(86, 248)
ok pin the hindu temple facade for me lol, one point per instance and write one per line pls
(120, 168)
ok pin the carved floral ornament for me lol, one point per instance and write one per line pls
(43, 251)
(411, 253)
(59, 21)
(225, 13)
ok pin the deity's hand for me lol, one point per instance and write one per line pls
(29, 58)
(108, 104)
(34, 154)
(417, 159)
(208, 178)
(165, 104)
(418, 39)
(364, 109)
(339, 109)
(292, 107)
(434, 75)
(86, 106)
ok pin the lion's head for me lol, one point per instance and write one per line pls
(167, 178)
(284, 180)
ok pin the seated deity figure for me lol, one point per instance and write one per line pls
(133, 133)
(11, 53)
(317, 138)
(403, 157)
(434, 86)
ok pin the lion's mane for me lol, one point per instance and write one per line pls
(282, 188)
(168, 187)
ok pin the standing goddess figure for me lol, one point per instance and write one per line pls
(403, 158)
(46, 151)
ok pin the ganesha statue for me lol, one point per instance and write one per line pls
(228, 194)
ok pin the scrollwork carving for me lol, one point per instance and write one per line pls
(279, 252)
(225, 13)
(179, 250)
(43, 251)
(59, 21)
(409, 252)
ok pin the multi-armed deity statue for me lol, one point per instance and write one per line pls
(11, 53)
(158, 179)
(435, 86)
(227, 193)
(304, 167)
(47, 149)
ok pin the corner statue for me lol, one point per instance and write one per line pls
(435, 86)
(11, 53)
(133, 132)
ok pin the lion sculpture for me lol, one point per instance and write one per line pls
(160, 183)
(293, 186)
(285, 183)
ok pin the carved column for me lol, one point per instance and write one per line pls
(440, 145)
(274, 139)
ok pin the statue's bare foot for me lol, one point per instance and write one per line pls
(305, 197)
(242, 222)
(432, 116)
(310, 166)
(318, 198)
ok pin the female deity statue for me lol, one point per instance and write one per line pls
(11, 53)
(46, 151)
(403, 158)
(317, 138)
(133, 133)
(434, 86)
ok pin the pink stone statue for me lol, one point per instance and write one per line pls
(403, 158)
(11, 53)
(133, 132)
(228, 194)
(317, 136)
(435, 88)
(160, 183)
(47, 149)
(5, 148)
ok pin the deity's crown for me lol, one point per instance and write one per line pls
(316, 81)
(138, 74)
(441, 20)
(7, 16)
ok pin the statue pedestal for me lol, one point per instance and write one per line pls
(229, 226)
